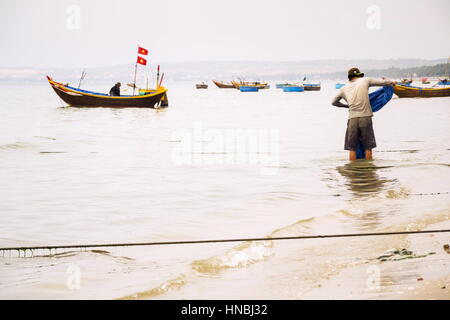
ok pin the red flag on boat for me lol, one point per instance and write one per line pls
(142, 51)
(142, 61)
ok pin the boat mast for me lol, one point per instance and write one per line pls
(448, 73)
(83, 74)
(134, 83)
(157, 77)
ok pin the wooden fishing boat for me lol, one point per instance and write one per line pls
(312, 86)
(259, 85)
(83, 98)
(339, 85)
(224, 85)
(201, 85)
(408, 91)
(425, 81)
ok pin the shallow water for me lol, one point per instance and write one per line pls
(216, 164)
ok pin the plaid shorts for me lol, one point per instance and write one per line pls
(360, 129)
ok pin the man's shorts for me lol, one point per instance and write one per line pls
(360, 129)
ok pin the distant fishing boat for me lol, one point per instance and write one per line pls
(406, 82)
(259, 85)
(312, 86)
(84, 98)
(444, 82)
(425, 81)
(201, 86)
(224, 85)
(293, 88)
(407, 91)
(248, 88)
(339, 85)
(281, 85)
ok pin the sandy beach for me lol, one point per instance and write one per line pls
(422, 278)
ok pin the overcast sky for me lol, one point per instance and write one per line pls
(88, 33)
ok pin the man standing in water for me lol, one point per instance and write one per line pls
(359, 125)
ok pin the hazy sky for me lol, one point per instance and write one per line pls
(87, 33)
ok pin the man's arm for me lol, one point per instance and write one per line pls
(380, 82)
(337, 103)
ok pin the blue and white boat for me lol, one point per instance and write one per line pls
(293, 88)
(248, 88)
(339, 85)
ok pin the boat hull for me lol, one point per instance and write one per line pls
(312, 87)
(415, 92)
(79, 98)
(250, 84)
(222, 85)
(293, 89)
(248, 89)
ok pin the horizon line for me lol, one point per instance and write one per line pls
(222, 61)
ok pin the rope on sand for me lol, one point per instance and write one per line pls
(134, 244)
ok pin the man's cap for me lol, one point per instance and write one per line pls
(355, 72)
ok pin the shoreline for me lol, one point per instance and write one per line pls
(424, 277)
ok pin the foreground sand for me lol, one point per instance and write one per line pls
(426, 277)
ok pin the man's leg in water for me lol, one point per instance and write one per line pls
(352, 155)
(369, 154)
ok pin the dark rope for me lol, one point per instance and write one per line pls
(428, 194)
(134, 244)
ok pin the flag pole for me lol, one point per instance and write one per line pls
(134, 83)
(157, 78)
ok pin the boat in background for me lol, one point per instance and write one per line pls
(201, 86)
(223, 85)
(406, 82)
(408, 91)
(312, 86)
(293, 88)
(281, 85)
(84, 98)
(248, 88)
(339, 85)
(259, 85)
(443, 82)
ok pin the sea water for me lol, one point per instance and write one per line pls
(216, 164)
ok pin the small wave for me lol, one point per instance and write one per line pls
(47, 152)
(69, 253)
(15, 146)
(401, 193)
(171, 284)
(238, 256)
(43, 137)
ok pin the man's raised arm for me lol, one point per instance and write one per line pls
(337, 101)
(380, 82)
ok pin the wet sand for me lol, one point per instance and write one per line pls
(426, 277)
